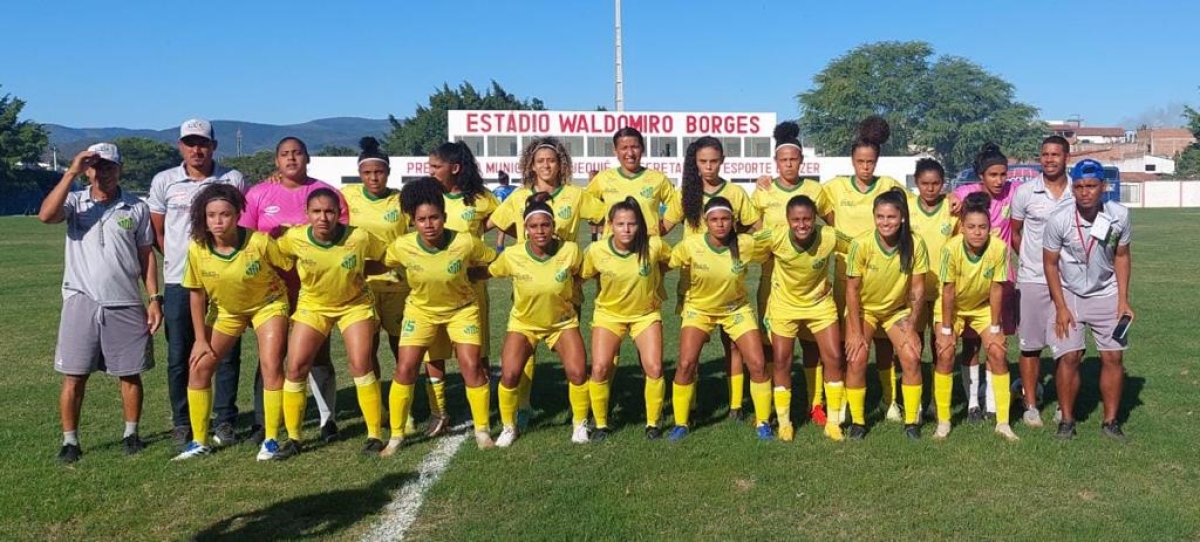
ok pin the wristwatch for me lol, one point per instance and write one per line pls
(156, 297)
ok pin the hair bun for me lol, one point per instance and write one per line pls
(874, 129)
(369, 145)
(989, 148)
(786, 130)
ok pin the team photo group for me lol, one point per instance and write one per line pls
(851, 266)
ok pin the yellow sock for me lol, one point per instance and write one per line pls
(835, 392)
(1000, 387)
(435, 390)
(737, 387)
(508, 398)
(272, 413)
(370, 402)
(811, 383)
(681, 401)
(887, 382)
(578, 397)
(760, 395)
(295, 395)
(400, 400)
(656, 391)
(598, 392)
(200, 412)
(479, 398)
(525, 386)
(857, 397)
(943, 386)
(817, 385)
(912, 403)
(783, 404)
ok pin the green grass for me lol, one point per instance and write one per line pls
(718, 484)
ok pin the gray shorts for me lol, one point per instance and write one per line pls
(1036, 316)
(1098, 314)
(92, 338)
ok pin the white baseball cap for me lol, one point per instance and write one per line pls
(196, 127)
(107, 151)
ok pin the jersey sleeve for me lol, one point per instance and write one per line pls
(674, 212)
(392, 256)
(594, 186)
(249, 218)
(576, 260)
(505, 216)
(287, 247)
(274, 254)
(680, 257)
(1052, 236)
(481, 253)
(145, 230)
(500, 267)
(920, 263)
(191, 271)
(762, 242)
(1126, 231)
(748, 214)
(157, 198)
(660, 251)
(1000, 264)
(666, 191)
(856, 261)
(588, 267)
(824, 203)
(591, 208)
(375, 249)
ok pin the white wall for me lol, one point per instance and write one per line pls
(1164, 166)
(1166, 194)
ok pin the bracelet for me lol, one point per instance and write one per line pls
(946, 330)
(994, 329)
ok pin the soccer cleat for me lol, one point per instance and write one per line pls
(579, 435)
(600, 434)
(943, 431)
(1112, 430)
(653, 432)
(69, 454)
(764, 431)
(1005, 430)
(524, 415)
(392, 447)
(289, 449)
(678, 433)
(224, 435)
(372, 446)
(974, 415)
(181, 436)
(483, 440)
(193, 450)
(507, 436)
(912, 431)
(438, 424)
(133, 444)
(817, 415)
(329, 431)
(268, 450)
(1032, 417)
(786, 432)
(857, 431)
(257, 435)
(894, 414)
(834, 432)
(1066, 431)
(736, 415)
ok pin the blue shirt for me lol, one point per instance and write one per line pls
(502, 192)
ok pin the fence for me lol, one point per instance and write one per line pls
(1161, 193)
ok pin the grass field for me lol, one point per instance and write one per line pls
(718, 484)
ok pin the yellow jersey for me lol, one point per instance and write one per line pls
(651, 188)
(744, 212)
(381, 217)
(884, 287)
(628, 287)
(801, 273)
(242, 281)
(853, 210)
(331, 275)
(571, 205)
(469, 219)
(718, 283)
(438, 276)
(543, 288)
(973, 276)
(772, 204)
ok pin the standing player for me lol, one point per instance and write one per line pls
(1088, 264)
(109, 246)
(651, 188)
(934, 224)
(1033, 205)
(628, 266)
(170, 201)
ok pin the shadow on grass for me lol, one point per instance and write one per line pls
(318, 515)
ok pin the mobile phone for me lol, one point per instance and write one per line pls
(1122, 329)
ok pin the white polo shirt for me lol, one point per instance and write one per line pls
(1035, 205)
(171, 194)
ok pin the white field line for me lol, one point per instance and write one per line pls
(400, 514)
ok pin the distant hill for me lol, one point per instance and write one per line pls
(318, 134)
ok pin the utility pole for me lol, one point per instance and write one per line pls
(238, 139)
(620, 76)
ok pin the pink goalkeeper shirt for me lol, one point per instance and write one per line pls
(271, 208)
(1001, 209)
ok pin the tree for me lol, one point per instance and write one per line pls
(336, 150)
(255, 167)
(142, 158)
(21, 141)
(1187, 164)
(948, 106)
(417, 135)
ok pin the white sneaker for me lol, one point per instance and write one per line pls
(507, 436)
(1032, 417)
(392, 447)
(483, 440)
(580, 434)
(894, 414)
(194, 449)
(943, 430)
(1005, 430)
(267, 451)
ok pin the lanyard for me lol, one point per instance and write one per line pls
(1087, 247)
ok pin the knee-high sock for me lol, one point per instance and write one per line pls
(370, 402)
(737, 385)
(681, 401)
(972, 377)
(887, 382)
(508, 399)
(783, 405)
(598, 392)
(435, 390)
(835, 392)
(525, 386)
(656, 390)
(857, 398)
(578, 397)
(295, 395)
(912, 403)
(400, 400)
(200, 413)
(760, 395)
(1000, 387)
(989, 392)
(272, 413)
(943, 385)
(479, 398)
(323, 381)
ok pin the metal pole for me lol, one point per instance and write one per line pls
(620, 76)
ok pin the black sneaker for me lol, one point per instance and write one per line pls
(69, 454)
(857, 432)
(653, 432)
(1066, 431)
(1112, 430)
(257, 435)
(133, 444)
(290, 448)
(600, 434)
(912, 431)
(223, 435)
(372, 447)
(329, 431)
(181, 436)
(989, 417)
(736, 415)
(974, 416)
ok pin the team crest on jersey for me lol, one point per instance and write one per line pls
(644, 270)
(564, 212)
(561, 275)
(454, 267)
(471, 329)
(350, 262)
(988, 273)
(738, 267)
(945, 229)
(468, 214)
(647, 192)
(738, 318)
(392, 216)
(253, 269)
(125, 222)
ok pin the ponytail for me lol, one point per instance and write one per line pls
(641, 239)
(468, 180)
(896, 198)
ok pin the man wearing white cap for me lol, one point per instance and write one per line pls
(170, 201)
(104, 325)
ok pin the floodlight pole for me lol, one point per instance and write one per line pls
(620, 75)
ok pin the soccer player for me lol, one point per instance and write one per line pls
(1087, 264)
(436, 260)
(701, 183)
(802, 305)
(273, 206)
(718, 260)
(974, 267)
(170, 201)
(1032, 206)
(885, 290)
(232, 279)
(104, 326)
(331, 259)
(772, 207)
(628, 266)
(935, 223)
(651, 188)
(544, 273)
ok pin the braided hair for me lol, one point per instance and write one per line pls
(692, 186)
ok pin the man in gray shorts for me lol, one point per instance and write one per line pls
(1032, 206)
(104, 326)
(1087, 262)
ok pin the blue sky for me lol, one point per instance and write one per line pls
(143, 64)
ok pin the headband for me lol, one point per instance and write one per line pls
(362, 161)
(718, 208)
(546, 146)
(793, 145)
(542, 211)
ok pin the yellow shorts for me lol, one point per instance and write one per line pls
(443, 347)
(978, 320)
(422, 329)
(736, 323)
(801, 323)
(322, 318)
(234, 325)
(389, 306)
(622, 325)
(882, 322)
(536, 334)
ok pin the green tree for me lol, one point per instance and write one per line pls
(1187, 163)
(255, 167)
(417, 135)
(948, 106)
(337, 150)
(142, 158)
(21, 141)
